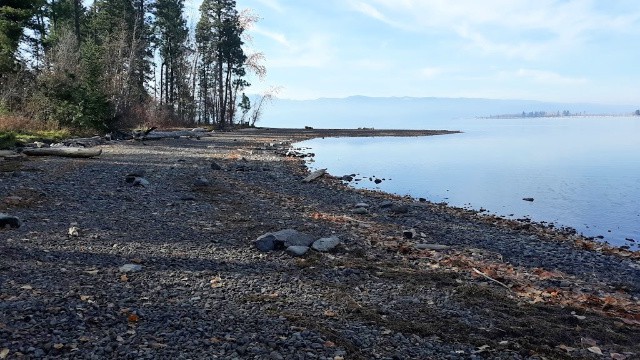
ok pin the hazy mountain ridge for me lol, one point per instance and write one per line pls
(410, 112)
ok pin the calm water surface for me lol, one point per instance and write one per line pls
(582, 172)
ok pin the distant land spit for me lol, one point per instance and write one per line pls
(417, 113)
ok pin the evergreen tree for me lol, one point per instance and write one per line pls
(171, 35)
(219, 39)
(14, 17)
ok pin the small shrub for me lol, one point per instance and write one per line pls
(7, 140)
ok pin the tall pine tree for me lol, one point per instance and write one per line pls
(218, 36)
(14, 17)
(171, 35)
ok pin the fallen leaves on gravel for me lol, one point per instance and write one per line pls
(216, 282)
(616, 356)
(330, 313)
(566, 348)
(532, 284)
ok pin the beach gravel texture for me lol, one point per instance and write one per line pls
(102, 267)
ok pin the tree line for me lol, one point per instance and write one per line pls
(117, 63)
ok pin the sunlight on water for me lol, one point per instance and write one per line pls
(582, 172)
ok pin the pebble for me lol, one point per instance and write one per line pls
(130, 268)
(326, 244)
(297, 250)
(201, 182)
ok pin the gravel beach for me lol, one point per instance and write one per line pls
(149, 251)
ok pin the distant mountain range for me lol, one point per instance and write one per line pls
(411, 112)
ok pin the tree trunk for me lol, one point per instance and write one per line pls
(76, 19)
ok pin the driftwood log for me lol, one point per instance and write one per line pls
(314, 175)
(158, 135)
(72, 152)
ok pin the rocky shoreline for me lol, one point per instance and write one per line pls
(105, 265)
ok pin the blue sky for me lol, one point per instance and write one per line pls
(551, 50)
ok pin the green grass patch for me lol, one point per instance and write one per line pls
(9, 139)
(48, 136)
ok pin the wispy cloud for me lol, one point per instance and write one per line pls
(549, 77)
(314, 51)
(432, 72)
(275, 36)
(370, 64)
(507, 27)
(371, 11)
(273, 4)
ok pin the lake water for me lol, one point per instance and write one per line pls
(582, 172)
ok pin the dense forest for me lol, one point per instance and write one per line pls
(116, 64)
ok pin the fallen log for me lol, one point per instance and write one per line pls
(314, 175)
(85, 142)
(72, 152)
(158, 135)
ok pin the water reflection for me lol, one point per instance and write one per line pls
(582, 172)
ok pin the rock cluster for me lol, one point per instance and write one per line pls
(294, 242)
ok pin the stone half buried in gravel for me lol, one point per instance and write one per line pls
(201, 182)
(130, 268)
(432, 247)
(9, 221)
(386, 204)
(291, 237)
(215, 166)
(409, 233)
(326, 244)
(138, 181)
(399, 209)
(297, 250)
(360, 211)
